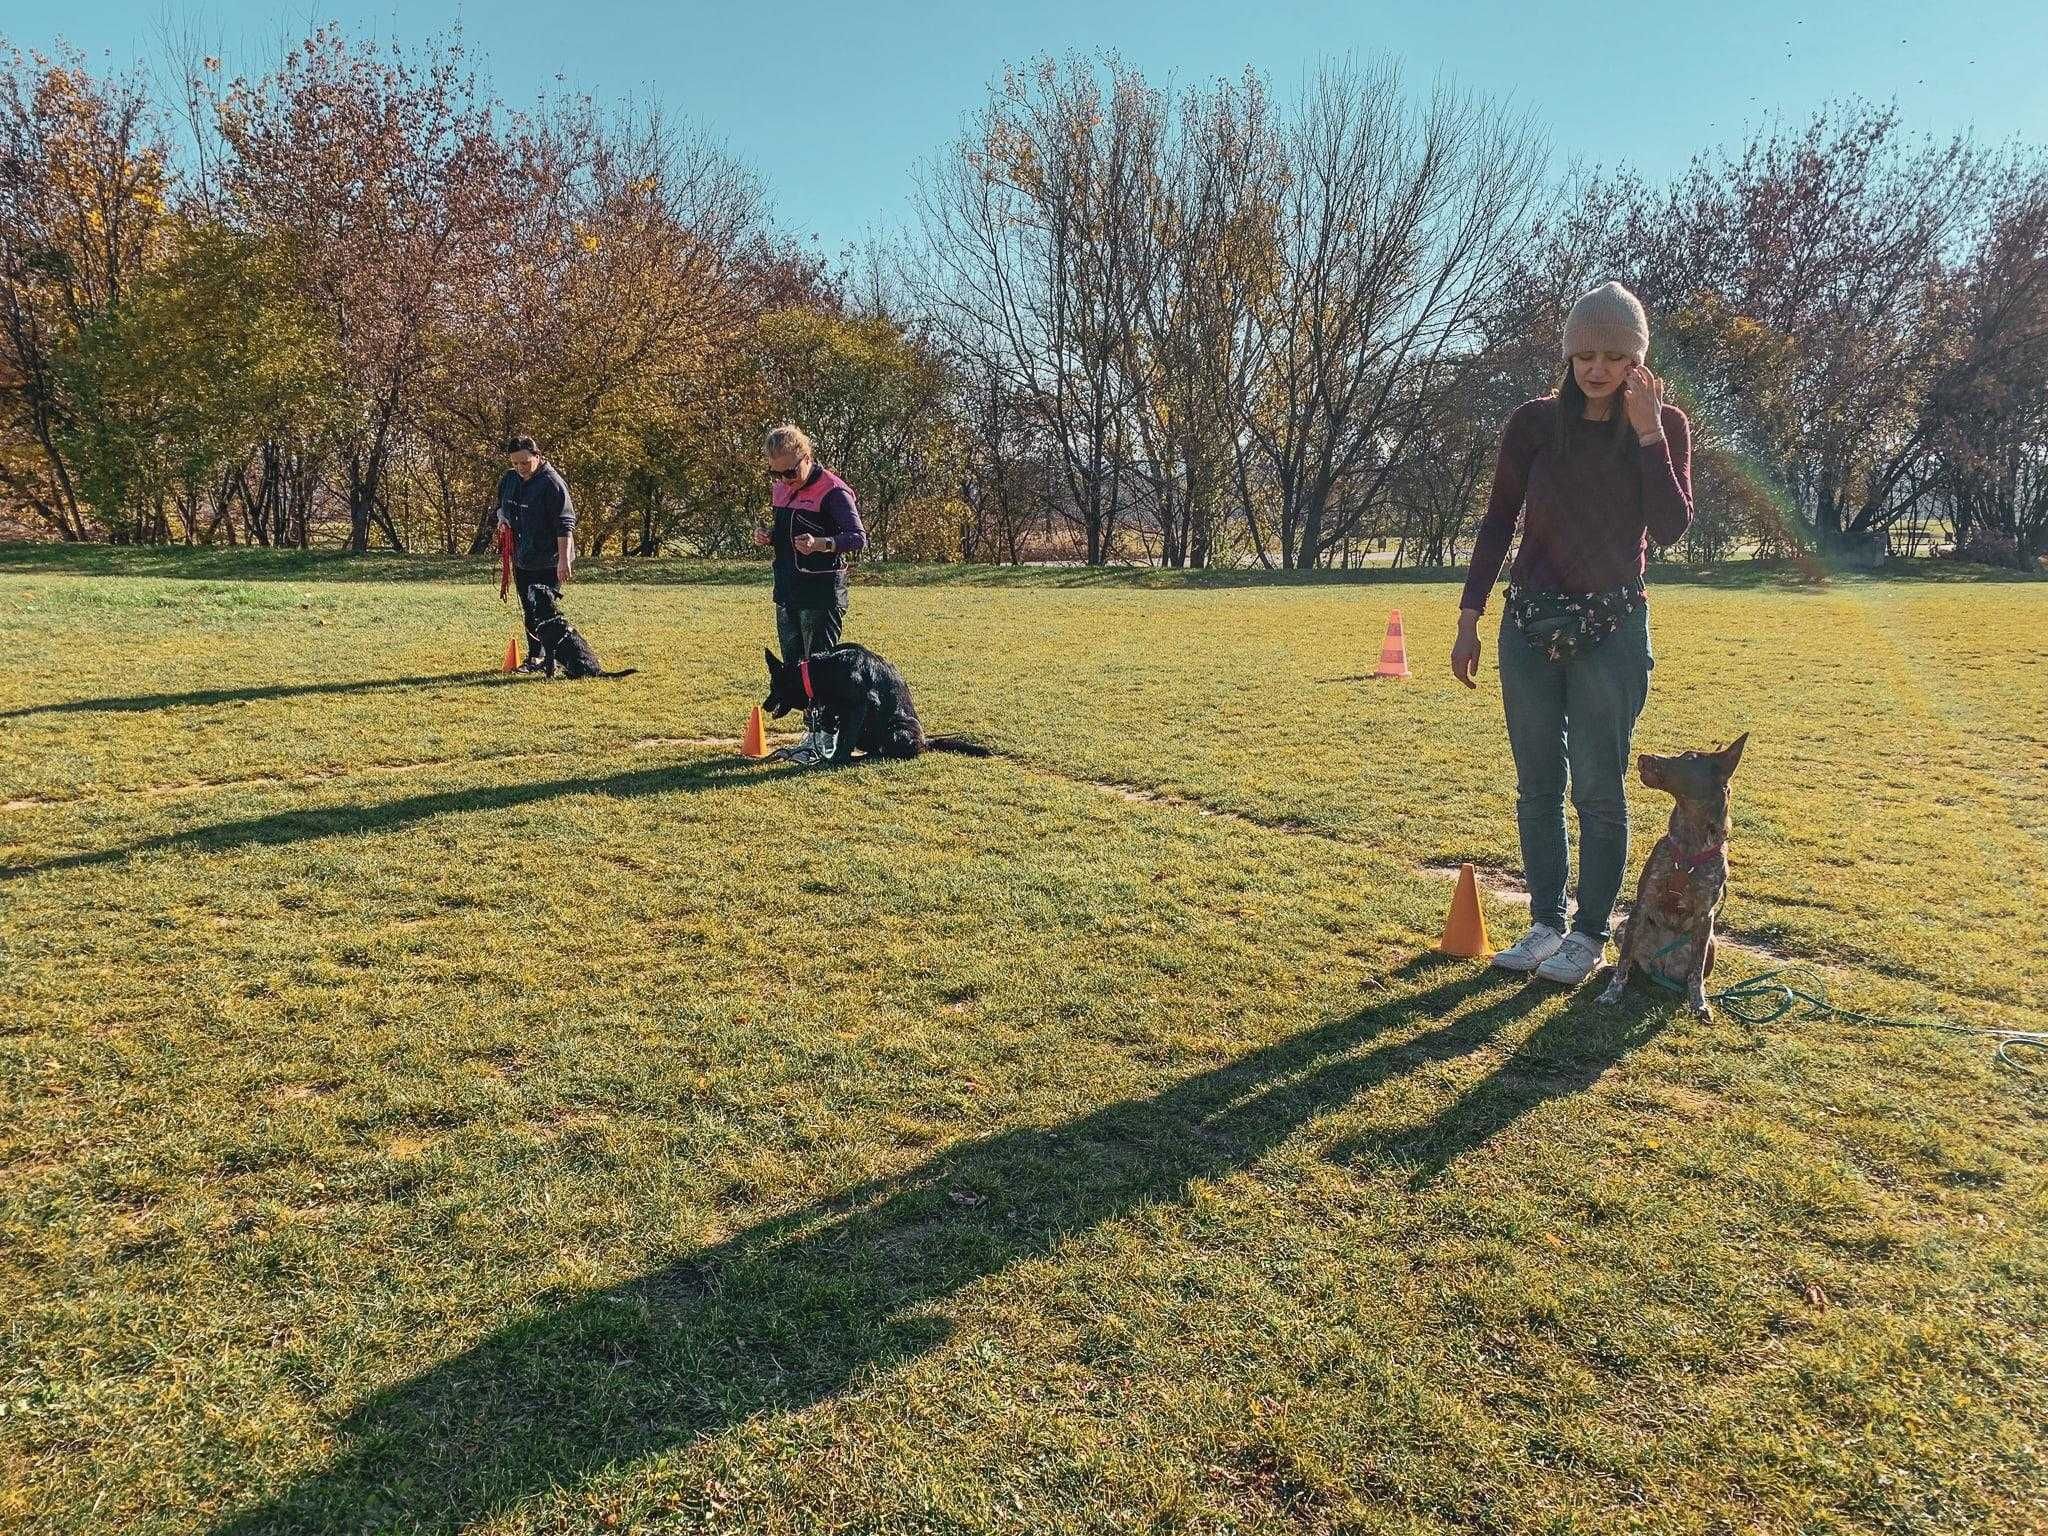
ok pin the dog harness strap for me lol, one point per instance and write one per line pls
(1676, 944)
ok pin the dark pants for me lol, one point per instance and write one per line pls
(1574, 717)
(807, 631)
(524, 577)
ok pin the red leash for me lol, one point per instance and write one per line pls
(504, 562)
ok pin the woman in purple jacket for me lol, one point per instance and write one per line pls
(1592, 474)
(817, 525)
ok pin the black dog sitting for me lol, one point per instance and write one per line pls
(860, 697)
(561, 644)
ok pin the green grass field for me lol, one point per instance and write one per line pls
(431, 1100)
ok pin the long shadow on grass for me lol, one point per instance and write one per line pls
(297, 826)
(795, 1310)
(139, 703)
(1565, 1055)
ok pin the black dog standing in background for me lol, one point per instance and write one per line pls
(862, 698)
(560, 642)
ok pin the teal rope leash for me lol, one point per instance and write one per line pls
(1772, 995)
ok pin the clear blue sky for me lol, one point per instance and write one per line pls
(837, 104)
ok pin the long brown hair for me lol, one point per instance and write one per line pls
(1571, 407)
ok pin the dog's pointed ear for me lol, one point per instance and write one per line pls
(1730, 755)
(774, 664)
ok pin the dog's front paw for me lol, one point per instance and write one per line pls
(1612, 993)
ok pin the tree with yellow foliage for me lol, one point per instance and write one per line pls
(84, 184)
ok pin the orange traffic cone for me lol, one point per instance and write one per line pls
(1393, 649)
(1465, 928)
(754, 739)
(512, 654)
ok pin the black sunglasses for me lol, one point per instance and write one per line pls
(783, 474)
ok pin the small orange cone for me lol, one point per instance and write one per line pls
(754, 739)
(1393, 649)
(512, 654)
(1465, 928)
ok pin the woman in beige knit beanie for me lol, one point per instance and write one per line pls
(1610, 321)
(1590, 475)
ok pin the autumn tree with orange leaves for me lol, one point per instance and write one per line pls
(83, 189)
(1130, 324)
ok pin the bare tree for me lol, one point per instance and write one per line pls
(1029, 245)
(1394, 230)
(1828, 253)
(1212, 260)
(1985, 423)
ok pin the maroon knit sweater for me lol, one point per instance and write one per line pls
(1587, 517)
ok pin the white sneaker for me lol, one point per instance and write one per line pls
(1576, 959)
(1535, 947)
(816, 747)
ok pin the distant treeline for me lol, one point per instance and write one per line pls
(1212, 327)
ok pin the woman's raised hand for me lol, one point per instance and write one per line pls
(1642, 395)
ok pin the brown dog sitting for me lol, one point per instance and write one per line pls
(1670, 929)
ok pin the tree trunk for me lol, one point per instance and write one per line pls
(362, 497)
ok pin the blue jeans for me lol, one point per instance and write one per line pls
(1578, 715)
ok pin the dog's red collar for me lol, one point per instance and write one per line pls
(1691, 861)
(803, 670)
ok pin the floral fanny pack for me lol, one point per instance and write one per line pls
(1561, 625)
